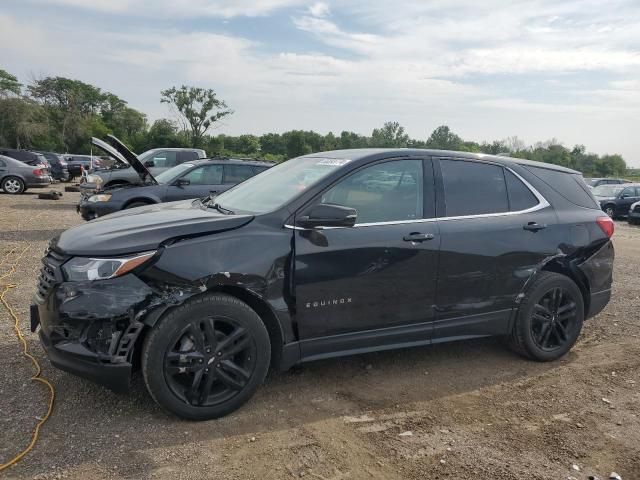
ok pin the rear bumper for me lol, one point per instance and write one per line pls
(39, 182)
(598, 301)
(598, 272)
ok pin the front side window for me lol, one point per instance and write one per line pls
(205, 175)
(628, 192)
(473, 188)
(237, 173)
(385, 192)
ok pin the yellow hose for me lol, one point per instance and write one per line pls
(25, 351)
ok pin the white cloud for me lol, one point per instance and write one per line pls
(178, 8)
(319, 9)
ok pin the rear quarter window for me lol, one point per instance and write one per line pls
(571, 186)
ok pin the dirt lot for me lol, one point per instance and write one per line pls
(469, 410)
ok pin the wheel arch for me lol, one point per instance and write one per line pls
(565, 268)
(147, 200)
(255, 302)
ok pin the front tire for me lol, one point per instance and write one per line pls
(13, 185)
(549, 319)
(206, 358)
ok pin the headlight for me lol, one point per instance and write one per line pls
(81, 268)
(103, 197)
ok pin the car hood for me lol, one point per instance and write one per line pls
(145, 228)
(123, 155)
(602, 199)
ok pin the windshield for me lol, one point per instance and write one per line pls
(275, 187)
(169, 175)
(607, 190)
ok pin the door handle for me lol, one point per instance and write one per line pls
(418, 237)
(534, 227)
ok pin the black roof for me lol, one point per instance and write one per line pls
(360, 153)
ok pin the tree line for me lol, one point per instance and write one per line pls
(61, 114)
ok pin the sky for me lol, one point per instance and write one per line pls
(491, 69)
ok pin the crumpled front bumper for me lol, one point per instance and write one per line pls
(90, 328)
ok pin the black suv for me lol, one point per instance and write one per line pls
(325, 255)
(58, 164)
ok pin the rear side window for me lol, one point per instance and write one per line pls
(520, 197)
(569, 185)
(472, 188)
(237, 173)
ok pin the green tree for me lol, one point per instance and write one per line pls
(9, 84)
(198, 109)
(443, 138)
(296, 144)
(392, 134)
(248, 144)
(272, 143)
(70, 105)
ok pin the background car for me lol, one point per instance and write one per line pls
(156, 161)
(17, 176)
(596, 182)
(616, 200)
(75, 164)
(25, 156)
(195, 179)
(634, 213)
(58, 166)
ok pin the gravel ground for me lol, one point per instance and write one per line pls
(468, 410)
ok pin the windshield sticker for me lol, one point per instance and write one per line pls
(334, 162)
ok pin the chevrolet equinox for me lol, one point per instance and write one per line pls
(324, 255)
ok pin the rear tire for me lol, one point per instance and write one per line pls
(206, 358)
(549, 319)
(13, 185)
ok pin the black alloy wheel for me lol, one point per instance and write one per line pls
(207, 357)
(549, 318)
(211, 361)
(554, 319)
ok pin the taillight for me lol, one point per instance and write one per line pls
(607, 225)
(38, 172)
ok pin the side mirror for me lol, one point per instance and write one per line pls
(149, 163)
(181, 182)
(328, 215)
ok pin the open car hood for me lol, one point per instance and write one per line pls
(122, 154)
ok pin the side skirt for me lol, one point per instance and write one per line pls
(406, 336)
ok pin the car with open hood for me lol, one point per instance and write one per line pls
(156, 161)
(198, 178)
(325, 255)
